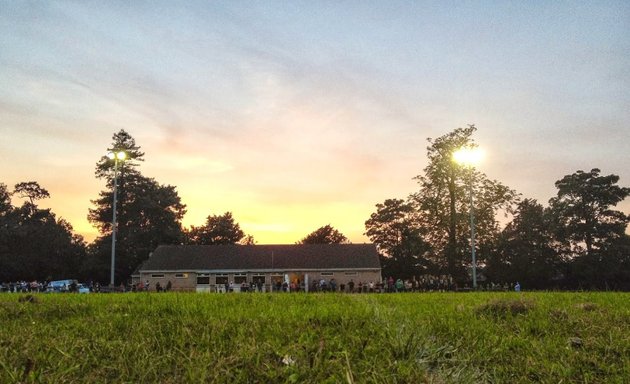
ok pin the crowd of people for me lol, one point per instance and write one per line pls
(46, 286)
(424, 283)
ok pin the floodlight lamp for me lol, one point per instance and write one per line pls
(117, 155)
(468, 156)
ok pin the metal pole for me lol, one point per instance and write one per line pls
(472, 233)
(114, 225)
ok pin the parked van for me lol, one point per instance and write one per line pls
(65, 285)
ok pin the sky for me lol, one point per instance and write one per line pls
(297, 114)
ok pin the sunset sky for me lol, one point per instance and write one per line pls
(298, 114)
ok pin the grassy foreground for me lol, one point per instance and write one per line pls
(316, 338)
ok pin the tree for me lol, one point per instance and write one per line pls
(31, 190)
(5, 228)
(247, 240)
(526, 251)
(583, 208)
(217, 230)
(399, 240)
(122, 141)
(34, 244)
(148, 213)
(5, 200)
(616, 265)
(325, 235)
(591, 230)
(443, 203)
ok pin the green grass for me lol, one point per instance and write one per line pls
(316, 338)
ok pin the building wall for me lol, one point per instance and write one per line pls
(187, 281)
(180, 281)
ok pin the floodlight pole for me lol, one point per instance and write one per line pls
(467, 157)
(472, 231)
(114, 225)
(115, 156)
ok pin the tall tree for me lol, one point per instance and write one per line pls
(592, 231)
(443, 202)
(526, 251)
(399, 239)
(55, 253)
(218, 229)
(148, 213)
(122, 142)
(325, 235)
(584, 211)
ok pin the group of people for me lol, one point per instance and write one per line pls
(24, 286)
(146, 286)
(426, 283)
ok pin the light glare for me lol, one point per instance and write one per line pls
(117, 155)
(468, 156)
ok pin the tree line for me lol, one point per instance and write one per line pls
(578, 240)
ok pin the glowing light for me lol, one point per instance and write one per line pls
(468, 156)
(117, 155)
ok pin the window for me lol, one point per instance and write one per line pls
(158, 276)
(221, 279)
(240, 278)
(203, 279)
(351, 273)
(181, 275)
(258, 279)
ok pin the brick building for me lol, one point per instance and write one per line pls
(210, 268)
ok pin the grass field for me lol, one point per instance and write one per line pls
(316, 338)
